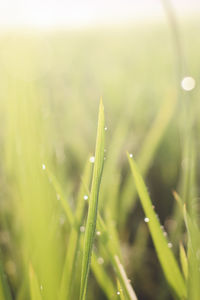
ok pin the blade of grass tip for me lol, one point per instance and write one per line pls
(165, 255)
(34, 285)
(5, 293)
(67, 276)
(183, 260)
(93, 204)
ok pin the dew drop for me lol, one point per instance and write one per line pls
(43, 167)
(58, 196)
(170, 245)
(41, 287)
(85, 197)
(118, 292)
(106, 128)
(188, 83)
(98, 233)
(82, 229)
(92, 159)
(100, 260)
(130, 155)
(164, 233)
(146, 220)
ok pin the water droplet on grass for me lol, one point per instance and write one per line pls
(43, 167)
(130, 155)
(98, 233)
(146, 220)
(106, 128)
(188, 83)
(82, 229)
(100, 260)
(118, 292)
(58, 196)
(85, 197)
(170, 245)
(92, 159)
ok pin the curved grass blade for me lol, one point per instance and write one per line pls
(165, 255)
(93, 205)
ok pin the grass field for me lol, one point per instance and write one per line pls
(140, 238)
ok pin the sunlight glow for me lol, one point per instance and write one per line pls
(77, 13)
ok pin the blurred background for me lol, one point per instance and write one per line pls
(57, 58)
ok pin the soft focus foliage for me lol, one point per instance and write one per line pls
(49, 97)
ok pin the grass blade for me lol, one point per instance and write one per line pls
(102, 277)
(128, 288)
(74, 238)
(115, 261)
(34, 285)
(152, 141)
(97, 269)
(165, 255)
(93, 205)
(184, 261)
(193, 256)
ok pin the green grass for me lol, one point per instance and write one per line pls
(93, 203)
(62, 234)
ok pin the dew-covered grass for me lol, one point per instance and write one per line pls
(79, 222)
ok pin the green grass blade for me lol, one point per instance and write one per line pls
(151, 142)
(96, 268)
(34, 285)
(115, 261)
(125, 281)
(184, 261)
(93, 204)
(102, 277)
(193, 256)
(67, 276)
(120, 292)
(165, 255)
